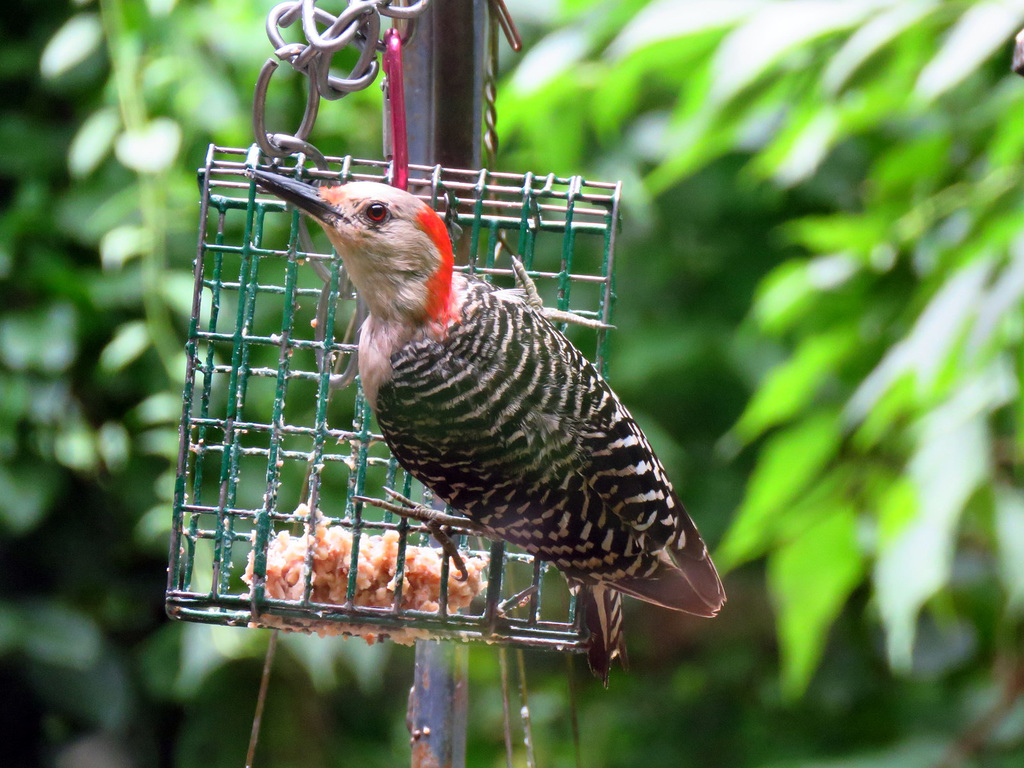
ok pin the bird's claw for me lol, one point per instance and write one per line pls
(561, 316)
(439, 524)
(532, 297)
(517, 600)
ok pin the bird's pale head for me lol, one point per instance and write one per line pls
(395, 247)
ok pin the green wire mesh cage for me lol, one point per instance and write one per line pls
(276, 447)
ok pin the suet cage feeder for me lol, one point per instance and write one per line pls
(268, 453)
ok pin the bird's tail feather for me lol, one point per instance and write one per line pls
(692, 587)
(602, 608)
(686, 579)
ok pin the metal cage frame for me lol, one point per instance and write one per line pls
(231, 430)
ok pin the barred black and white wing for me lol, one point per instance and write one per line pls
(507, 422)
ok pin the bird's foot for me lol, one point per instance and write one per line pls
(532, 297)
(439, 524)
(517, 600)
(562, 316)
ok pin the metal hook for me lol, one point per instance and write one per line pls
(500, 11)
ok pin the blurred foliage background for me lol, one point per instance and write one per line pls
(821, 276)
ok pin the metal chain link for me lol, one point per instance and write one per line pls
(326, 34)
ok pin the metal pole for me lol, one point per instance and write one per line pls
(444, 70)
(444, 79)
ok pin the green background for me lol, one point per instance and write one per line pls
(820, 278)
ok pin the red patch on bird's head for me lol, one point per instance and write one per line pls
(439, 305)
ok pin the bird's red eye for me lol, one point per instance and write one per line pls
(376, 212)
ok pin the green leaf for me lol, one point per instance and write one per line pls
(26, 493)
(546, 60)
(159, 442)
(783, 296)
(153, 528)
(160, 9)
(204, 648)
(152, 148)
(790, 386)
(97, 693)
(625, 85)
(698, 142)
(59, 635)
(177, 289)
(671, 19)
(72, 44)
(1006, 143)
(75, 447)
(872, 37)
(925, 349)
(911, 168)
(43, 340)
(123, 243)
(810, 579)
(829, 272)
(1009, 530)
(889, 414)
(93, 141)
(789, 462)
(158, 408)
(897, 508)
(1000, 305)
(85, 217)
(904, 752)
(800, 147)
(113, 444)
(770, 33)
(982, 29)
(839, 232)
(950, 462)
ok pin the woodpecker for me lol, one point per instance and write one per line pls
(482, 399)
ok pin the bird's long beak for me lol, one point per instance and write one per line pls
(304, 196)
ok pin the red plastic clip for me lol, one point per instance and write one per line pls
(396, 97)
